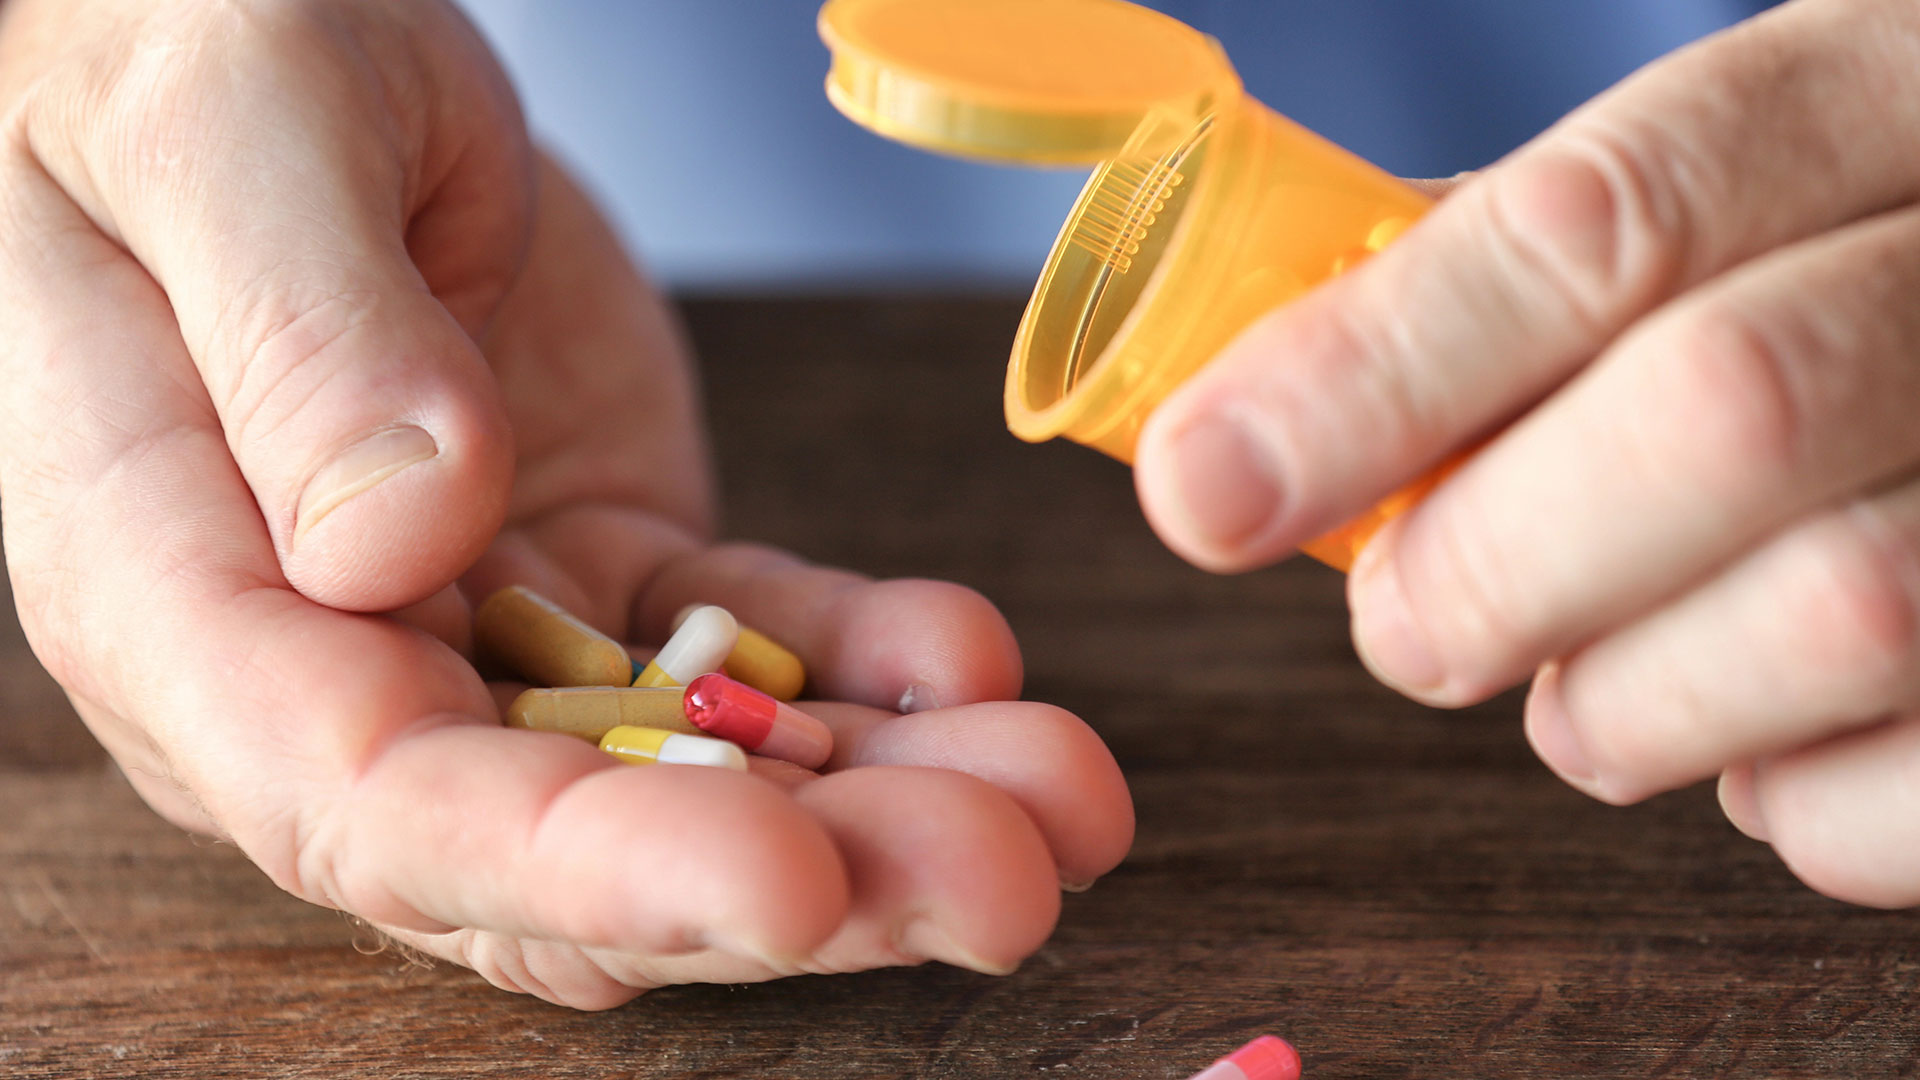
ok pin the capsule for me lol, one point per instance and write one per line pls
(760, 662)
(738, 713)
(1265, 1058)
(700, 645)
(592, 711)
(546, 644)
(648, 746)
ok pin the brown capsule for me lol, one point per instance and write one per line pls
(592, 711)
(546, 644)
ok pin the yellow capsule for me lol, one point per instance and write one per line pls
(646, 746)
(700, 644)
(546, 644)
(760, 662)
(592, 711)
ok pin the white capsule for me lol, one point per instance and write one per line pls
(647, 746)
(700, 750)
(701, 645)
(759, 661)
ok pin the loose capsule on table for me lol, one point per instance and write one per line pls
(760, 662)
(592, 711)
(738, 713)
(648, 746)
(547, 644)
(700, 645)
(1265, 1058)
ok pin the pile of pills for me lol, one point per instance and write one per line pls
(714, 692)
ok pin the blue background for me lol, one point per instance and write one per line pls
(702, 125)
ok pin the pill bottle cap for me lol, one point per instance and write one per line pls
(1105, 83)
(1034, 82)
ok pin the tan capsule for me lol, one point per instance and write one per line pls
(760, 662)
(546, 644)
(592, 711)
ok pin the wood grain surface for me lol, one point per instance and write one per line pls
(1403, 893)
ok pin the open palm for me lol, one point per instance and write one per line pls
(297, 334)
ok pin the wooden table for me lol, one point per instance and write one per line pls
(1403, 893)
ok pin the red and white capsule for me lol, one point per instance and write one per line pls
(1265, 1058)
(738, 713)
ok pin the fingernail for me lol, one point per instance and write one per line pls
(923, 939)
(918, 698)
(1076, 886)
(1390, 642)
(358, 468)
(1742, 806)
(1550, 730)
(1225, 482)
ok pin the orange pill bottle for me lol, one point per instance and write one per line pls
(1205, 210)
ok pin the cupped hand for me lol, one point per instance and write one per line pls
(1689, 317)
(305, 350)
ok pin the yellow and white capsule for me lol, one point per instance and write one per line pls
(546, 644)
(649, 746)
(699, 645)
(760, 662)
(592, 711)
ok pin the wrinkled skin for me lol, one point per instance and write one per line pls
(305, 348)
(1689, 315)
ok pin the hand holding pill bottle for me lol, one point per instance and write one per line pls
(278, 426)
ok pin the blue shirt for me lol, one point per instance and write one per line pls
(702, 125)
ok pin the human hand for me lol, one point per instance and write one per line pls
(296, 331)
(1691, 312)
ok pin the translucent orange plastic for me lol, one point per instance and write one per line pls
(1206, 213)
(1025, 81)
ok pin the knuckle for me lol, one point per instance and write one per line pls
(288, 341)
(1851, 605)
(1584, 219)
(61, 606)
(305, 850)
(298, 850)
(500, 961)
(1727, 405)
(55, 646)
(47, 600)
(162, 86)
(1399, 403)
(1467, 587)
(1814, 816)
(1842, 873)
(180, 97)
(551, 971)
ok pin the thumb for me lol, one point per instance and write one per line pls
(312, 176)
